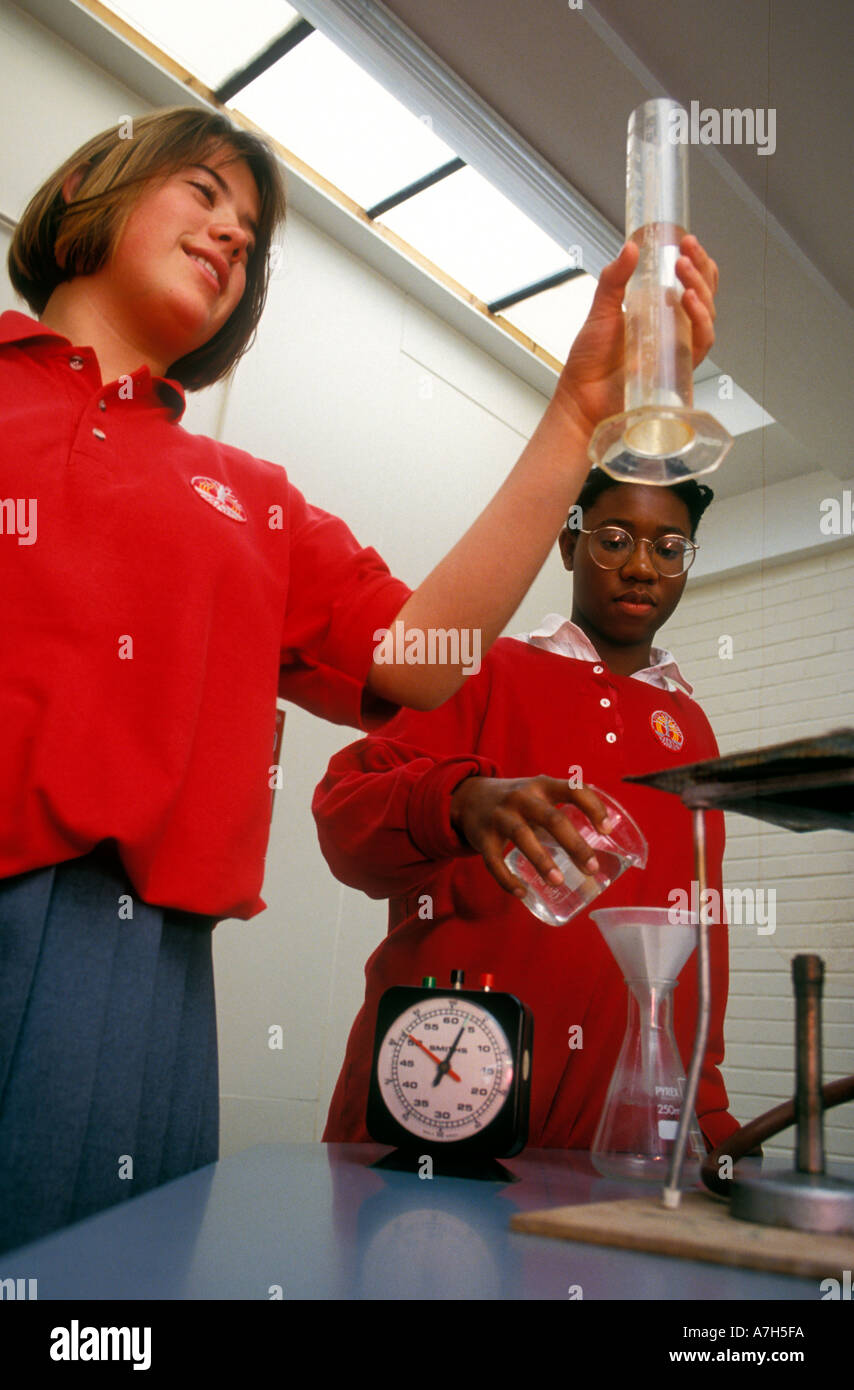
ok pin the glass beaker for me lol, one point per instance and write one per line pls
(637, 1128)
(659, 437)
(624, 847)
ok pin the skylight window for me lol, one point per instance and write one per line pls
(322, 106)
(210, 40)
(480, 238)
(554, 318)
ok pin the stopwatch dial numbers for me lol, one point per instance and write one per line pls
(446, 1069)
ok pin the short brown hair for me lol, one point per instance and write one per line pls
(56, 241)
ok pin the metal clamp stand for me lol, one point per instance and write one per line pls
(804, 785)
(672, 1193)
(807, 1199)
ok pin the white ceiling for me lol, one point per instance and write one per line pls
(566, 80)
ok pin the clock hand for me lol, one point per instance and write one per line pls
(454, 1045)
(445, 1067)
(432, 1055)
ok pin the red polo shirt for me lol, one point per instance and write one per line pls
(383, 816)
(158, 590)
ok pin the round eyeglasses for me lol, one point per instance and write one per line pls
(611, 547)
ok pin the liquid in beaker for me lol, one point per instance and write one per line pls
(659, 369)
(624, 847)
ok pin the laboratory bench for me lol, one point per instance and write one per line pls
(320, 1221)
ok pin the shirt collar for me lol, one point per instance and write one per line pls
(564, 638)
(18, 328)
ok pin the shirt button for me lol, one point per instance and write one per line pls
(610, 738)
(102, 405)
(597, 670)
(606, 704)
(75, 363)
(99, 434)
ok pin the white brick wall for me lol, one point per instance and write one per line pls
(791, 676)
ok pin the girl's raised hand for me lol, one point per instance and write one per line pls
(590, 387)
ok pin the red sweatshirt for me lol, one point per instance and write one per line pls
(383, 817)
(159, 589)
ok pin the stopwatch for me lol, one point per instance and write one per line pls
(451, 1070)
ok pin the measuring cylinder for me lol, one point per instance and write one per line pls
(659, 437)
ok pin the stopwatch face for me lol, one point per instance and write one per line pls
(445, 1069)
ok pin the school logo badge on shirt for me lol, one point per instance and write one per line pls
(220, 497)
(666, 730)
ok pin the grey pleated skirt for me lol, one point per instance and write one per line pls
(108, 1049)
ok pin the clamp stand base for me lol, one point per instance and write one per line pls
(802, 1201)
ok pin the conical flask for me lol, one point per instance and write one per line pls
(638, 1126)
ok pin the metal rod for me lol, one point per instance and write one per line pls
(672, 1194)
(549, 282)
(808, 979)
(755, 1132)
(298, 31)
(403, 195)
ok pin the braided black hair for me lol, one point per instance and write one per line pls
(696, 496)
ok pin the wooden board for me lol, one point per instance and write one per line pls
(701, 1228)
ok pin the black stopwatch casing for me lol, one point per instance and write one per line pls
(451, 1071)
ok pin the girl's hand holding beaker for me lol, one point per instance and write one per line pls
(573, 883)
(488, 811)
